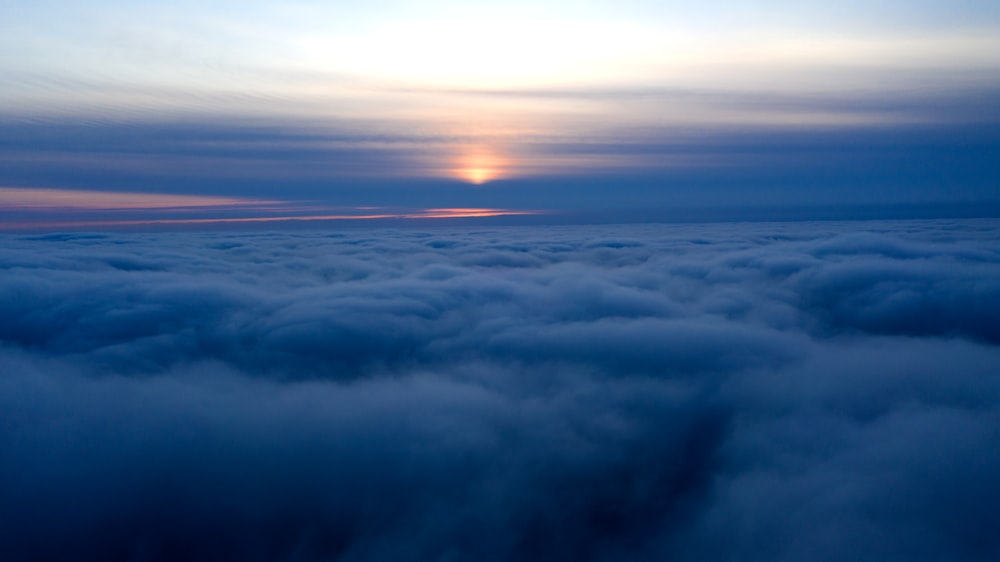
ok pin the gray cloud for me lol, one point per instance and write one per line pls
(784, 391)
(622, 173)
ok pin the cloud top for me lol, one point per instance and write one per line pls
(732, 391)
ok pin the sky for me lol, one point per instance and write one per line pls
(626, 110)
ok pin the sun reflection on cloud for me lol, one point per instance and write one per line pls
(39, 208)
(45, 198)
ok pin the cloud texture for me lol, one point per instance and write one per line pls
(795, 391)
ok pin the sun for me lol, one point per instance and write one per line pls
(479, 166)
(478, 176)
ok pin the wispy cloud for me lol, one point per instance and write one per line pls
(33, 208)
(65, 199)
(308, 101)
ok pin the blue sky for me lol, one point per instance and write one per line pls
(581, 107)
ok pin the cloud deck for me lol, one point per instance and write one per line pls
(774, 391)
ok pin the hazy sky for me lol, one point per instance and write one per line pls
(626, 106)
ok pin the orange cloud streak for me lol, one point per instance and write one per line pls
(443, 213)
(43, 198)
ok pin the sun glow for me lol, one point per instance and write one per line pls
(478, 50)
(479, 166)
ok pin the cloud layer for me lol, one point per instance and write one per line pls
(796, 391)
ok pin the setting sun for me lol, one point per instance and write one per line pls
(479, 167)
(478, 175)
